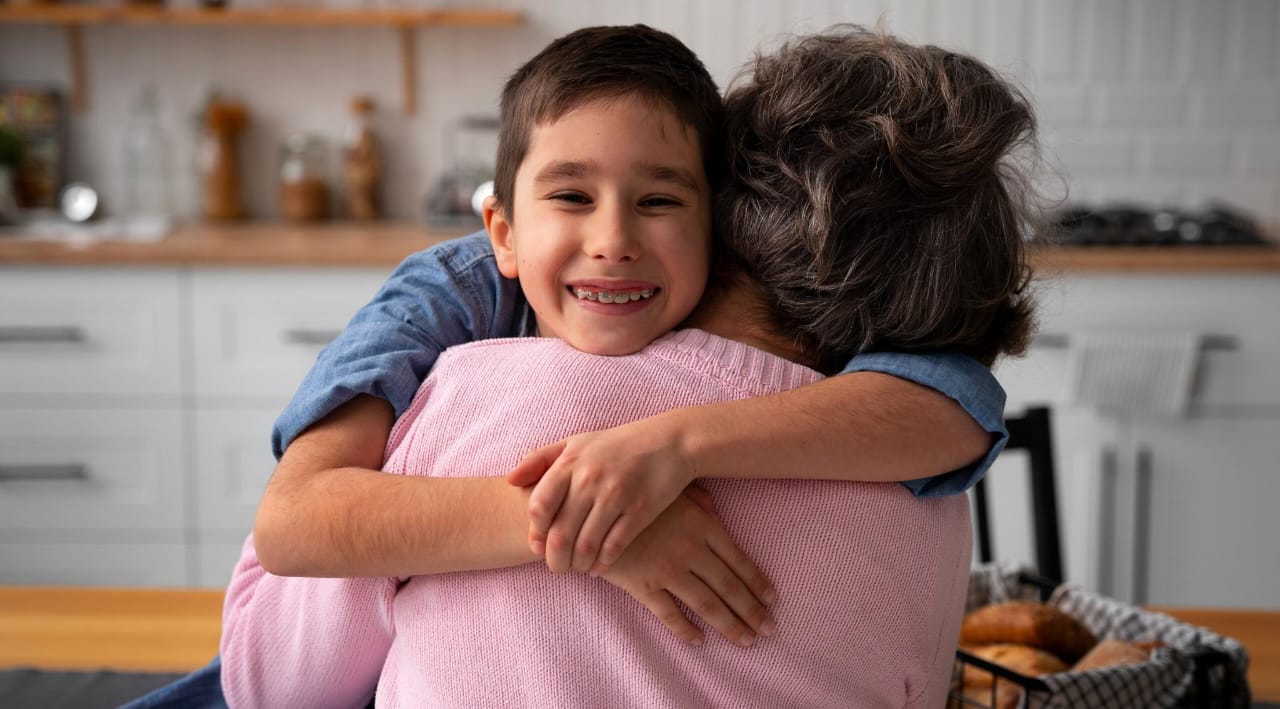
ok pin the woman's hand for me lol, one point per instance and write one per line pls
(595, 492)
(686, 554)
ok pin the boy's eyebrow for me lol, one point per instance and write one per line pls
(667, 173)
(574, 169)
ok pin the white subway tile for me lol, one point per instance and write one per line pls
(1253, 38)
(1187, 155)
(1245, 105)
(1147, 191)
(958, 25)
(1256, 198)
(1139, 105)
(1006, 36)
(1259, 156)
(1062, 108)
(1093, 156)
(1056, 37)
(862, 12)
(1202, 39)
(911, 19)
(1106, 43)
(1155, 38)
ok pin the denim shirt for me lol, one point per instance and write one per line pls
(453, 293)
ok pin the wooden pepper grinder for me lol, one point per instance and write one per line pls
(224, 122)
(361, 163)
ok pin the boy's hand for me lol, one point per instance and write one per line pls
(597, 491)
(687, 554)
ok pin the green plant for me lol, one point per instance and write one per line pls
(10, 146)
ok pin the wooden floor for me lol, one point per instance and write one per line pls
(177, 631)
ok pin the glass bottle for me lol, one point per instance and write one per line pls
(304, 188)
(361, 163)
(146, 160)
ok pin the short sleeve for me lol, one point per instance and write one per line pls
(447, 295)
(964, 380)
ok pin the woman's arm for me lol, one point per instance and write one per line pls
(864, 426)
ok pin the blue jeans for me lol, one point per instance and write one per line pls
(201, 689)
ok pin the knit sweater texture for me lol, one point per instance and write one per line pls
(871, 580)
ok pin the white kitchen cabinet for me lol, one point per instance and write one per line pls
(257, 332)
(136, 408)
(88, 331)
(1205, 482)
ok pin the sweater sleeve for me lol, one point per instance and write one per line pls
(303, 642)
(447, 295)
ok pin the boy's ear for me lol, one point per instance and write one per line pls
(501, 236)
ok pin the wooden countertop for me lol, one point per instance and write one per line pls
(176, 630)
(251, 244)
(386, 244)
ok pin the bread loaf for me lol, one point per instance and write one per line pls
(1028, 623)
(1113, 653)
(1022, 659)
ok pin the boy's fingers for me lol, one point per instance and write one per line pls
(545, 502)
(563, 535)
(587, 548)
(664, 607)
(743, 568)
(535, 464)
(701, 498)
(617, 540)
(694, 592)
(734, 593)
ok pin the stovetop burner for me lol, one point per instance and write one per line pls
(1128, 225)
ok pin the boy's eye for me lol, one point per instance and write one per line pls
(570, 198)
(659, 201)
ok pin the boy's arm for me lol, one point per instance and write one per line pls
(595, 491)
(327, 512)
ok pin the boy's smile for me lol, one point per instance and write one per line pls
(614, 220)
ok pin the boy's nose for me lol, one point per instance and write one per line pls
(610, 238)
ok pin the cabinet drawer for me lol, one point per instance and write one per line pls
(88, 564)
(91, 469)
(233, 462)
(214, 563)
(1240, 307)
(89, 331)
(257, 333)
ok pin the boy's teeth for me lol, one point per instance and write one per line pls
(610, 298)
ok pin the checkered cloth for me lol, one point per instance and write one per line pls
(1168, 679)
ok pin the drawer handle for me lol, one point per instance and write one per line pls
(23, 333)
(310, 337)
(74, 471)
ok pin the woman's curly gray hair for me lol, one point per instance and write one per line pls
(871, 191)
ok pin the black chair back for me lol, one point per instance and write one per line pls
(1029, 432)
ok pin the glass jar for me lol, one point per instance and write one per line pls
(304, 185)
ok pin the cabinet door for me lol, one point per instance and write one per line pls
(258, 332)
(1214, 490)
(233, 462)
(1079, 444)
(83, 331)
(92, 469)
(93, 564)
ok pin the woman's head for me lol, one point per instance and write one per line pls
(871, 192)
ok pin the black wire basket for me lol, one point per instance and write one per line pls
(1218, 676)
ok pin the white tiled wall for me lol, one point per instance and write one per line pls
(1173, 101)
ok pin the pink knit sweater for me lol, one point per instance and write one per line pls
(871, 580)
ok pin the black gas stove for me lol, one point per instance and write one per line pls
(1128, 225)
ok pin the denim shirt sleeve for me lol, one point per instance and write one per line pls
(449, 294)
(961, 378)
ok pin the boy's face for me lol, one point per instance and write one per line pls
(614, 230)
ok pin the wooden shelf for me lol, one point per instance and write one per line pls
(1155, 259)
(281, 16)
(74, 17)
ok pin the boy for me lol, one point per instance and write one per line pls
(890, 647)
(321, 517)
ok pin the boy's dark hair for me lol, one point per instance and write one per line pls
(606, 62)
(870, 191)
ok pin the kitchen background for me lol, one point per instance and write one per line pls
(1156, 103)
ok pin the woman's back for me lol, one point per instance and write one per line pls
(871, 580)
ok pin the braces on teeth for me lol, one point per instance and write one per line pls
(607, 297)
